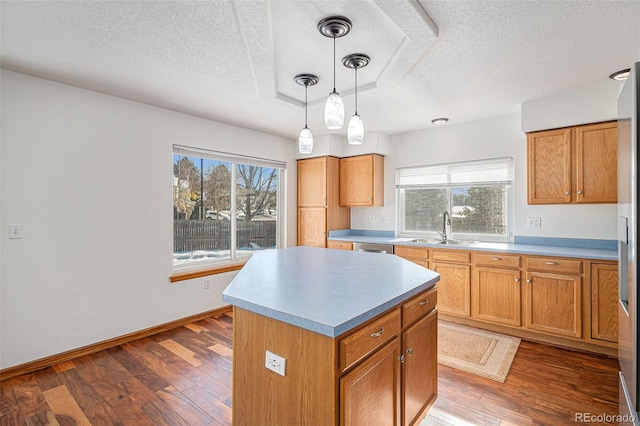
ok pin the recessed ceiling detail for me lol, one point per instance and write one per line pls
(397, 33)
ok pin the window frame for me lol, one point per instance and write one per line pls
(422, 173)
(233, 262)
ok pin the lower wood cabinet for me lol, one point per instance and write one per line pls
(312, 226)
(604, 301)
(340, 245)
(553, 303)
(496, 295)
(454, 288)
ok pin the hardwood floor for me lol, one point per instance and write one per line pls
(183, 377)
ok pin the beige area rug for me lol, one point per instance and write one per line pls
(476, 351)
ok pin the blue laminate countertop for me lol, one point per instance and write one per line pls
(324, 290)
(568, 250)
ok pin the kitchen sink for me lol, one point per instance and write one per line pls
(448, 242)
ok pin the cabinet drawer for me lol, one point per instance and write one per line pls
(411, 252)
(359, 344)
(342, 245)
(497, 260)
(554, 264)
(451, 256)
(419, 306)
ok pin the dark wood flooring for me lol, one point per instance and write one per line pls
(183, 377)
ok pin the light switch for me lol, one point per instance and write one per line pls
(15, 231)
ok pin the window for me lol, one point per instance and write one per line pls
(476, 194)
(225, 207)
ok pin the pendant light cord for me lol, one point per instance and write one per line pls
(334, 63)
(306, 86)
(356, 89)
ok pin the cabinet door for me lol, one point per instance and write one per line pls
(362, 181)
(496, 295)
(596, 163)
(454, 288)
(312, 226)
(312, 182)
(604, 302)
(370, 393)
(553, 303)
(420, 367)
(549, 167)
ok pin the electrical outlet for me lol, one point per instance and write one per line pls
(384, 219)
(15, 231)
(534, 222)
(372, 218)
(207, 283)
(275, 363)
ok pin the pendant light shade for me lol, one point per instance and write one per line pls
(334, 111)
(305, 140)
(355, 131)
(334, 26)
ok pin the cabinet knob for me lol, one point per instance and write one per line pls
(401, 359)
(517, 280)
(410, 351)
(551, 263)
(496, 258)
(567, 193)
(580, 192)
(424, 302)
(369, 199)
(529, 280)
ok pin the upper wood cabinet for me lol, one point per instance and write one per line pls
(573, 165)
(362, 181)
(318, 201)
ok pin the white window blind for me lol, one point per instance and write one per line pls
(188, 151)
(495, 171)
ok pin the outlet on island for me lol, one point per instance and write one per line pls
(275, 363)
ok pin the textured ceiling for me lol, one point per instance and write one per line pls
(234, 61)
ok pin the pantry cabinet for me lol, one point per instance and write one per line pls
(318, 201)
(573, 165)
(362, 181)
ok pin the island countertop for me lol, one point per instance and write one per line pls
(324, 290)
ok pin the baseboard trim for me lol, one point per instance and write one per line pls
(45, 362)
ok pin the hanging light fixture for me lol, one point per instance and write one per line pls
(355, 131)
(305, 140)
(334, 26)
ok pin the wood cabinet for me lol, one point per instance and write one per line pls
(340, 245)
(318, 201)
(397, 383)
(604, 301)
(362, 181)
(573, 165)
(496, 288)
(454, 288)
(553, 296)
(418, 255)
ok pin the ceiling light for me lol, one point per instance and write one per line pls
(441, 120)
(305, 141)
(334, 26)
(620, 75)
(355, 132)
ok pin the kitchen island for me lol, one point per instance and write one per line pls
(354, 333)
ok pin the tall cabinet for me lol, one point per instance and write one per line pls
(319, 208)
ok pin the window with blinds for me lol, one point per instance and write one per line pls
(476, 194)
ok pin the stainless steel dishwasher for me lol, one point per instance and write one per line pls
(373, 247)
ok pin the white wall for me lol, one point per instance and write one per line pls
(489, 138)
(89, 178)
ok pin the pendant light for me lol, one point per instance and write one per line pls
(305, 140)
(334, 26)
(355, 131)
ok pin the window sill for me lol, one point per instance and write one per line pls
(229, 267)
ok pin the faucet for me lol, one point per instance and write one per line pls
(446, 220)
